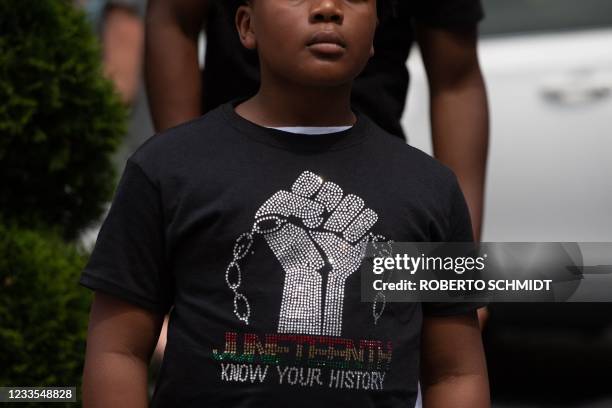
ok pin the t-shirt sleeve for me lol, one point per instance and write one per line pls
(460, 230)
(447, 13)
(128, 260)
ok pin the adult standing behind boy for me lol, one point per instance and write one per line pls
(446, 31)
(120, 25)
(252, 219)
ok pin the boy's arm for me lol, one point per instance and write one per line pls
(453, 368)
(459, 110)
(120, 340)
(174, 84)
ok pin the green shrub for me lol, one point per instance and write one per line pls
(43, 310)
(60, 120)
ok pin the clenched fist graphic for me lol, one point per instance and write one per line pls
(318, 235)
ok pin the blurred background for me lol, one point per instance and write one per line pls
(548, 69)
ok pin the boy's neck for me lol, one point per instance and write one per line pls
(282, 103)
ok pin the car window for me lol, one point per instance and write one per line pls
(526, 16)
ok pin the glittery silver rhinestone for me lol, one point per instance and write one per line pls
(242, 245)
(233, 275)
(348, 208)
(242, 309)
(307, 184)
(360, 225)
(287, 221)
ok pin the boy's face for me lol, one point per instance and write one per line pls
(310, 42)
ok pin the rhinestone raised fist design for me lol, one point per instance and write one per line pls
(318, 235)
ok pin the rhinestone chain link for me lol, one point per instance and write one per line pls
(243, 244)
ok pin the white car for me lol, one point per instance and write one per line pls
(548, 69)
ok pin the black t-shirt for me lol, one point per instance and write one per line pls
(231, 71)
(253, 234)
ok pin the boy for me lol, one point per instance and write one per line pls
(250, 221)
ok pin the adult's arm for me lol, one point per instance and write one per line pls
(459, 110)
(174, 83)
(123, 42)
(453, 368)
(120, 340)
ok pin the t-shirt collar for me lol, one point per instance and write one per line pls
(297, 141)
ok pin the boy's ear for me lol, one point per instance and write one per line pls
(244, 25)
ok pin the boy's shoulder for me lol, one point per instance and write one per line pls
(404, 159)
(176, 146)
(182, 135)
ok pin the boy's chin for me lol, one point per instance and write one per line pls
(329, 73)
(326, 79)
